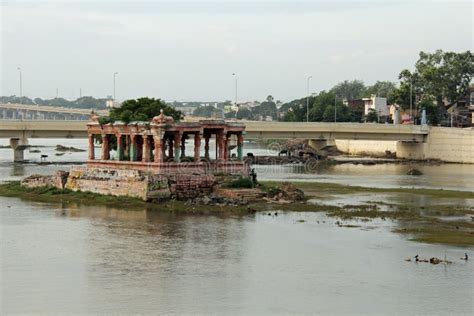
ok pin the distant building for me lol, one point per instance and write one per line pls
(378, 104)
(111, 103)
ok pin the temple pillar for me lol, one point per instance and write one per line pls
(226, 147)
(158, 149)
(220, 143)
(146, 149)
(197, 147)
(177, 146)
(133, 148)
(206, 146)
(240, 146)
(120, 148)
(105, 147)
(91, 147)
(170, 148)
(183, 146)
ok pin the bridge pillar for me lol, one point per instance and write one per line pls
(317, 144)
(410, 150)
(18, 145)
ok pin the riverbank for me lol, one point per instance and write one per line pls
(441, 222)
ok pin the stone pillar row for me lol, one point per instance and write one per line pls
(176, 147)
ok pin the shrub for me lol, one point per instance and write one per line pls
(241, 183)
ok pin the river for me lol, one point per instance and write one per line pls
(75, 259)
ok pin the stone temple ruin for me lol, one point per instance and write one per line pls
(149, 160)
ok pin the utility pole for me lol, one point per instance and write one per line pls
(411, 101)
(21, 85)
(235, 87)
(335, 108)
(307, 98)
(115, 74)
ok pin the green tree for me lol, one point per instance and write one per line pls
(349, 90)
(244, 114)
(441, 76)
(142, 109)
(266, 108)
(372, 116)
(383, 89)
(205, 111)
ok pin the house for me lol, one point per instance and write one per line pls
(378, 104)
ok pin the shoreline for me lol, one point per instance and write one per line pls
(417, 224)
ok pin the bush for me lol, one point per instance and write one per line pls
(241, 183)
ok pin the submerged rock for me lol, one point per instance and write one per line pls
(414, 172)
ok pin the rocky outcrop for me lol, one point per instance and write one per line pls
(58, 180)
(414, 172)
(286, 191)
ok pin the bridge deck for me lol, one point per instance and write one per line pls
(254, 130)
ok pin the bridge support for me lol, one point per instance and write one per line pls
(18, 145)
(410, 150)
(318, 144)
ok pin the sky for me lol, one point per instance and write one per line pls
(188, 50)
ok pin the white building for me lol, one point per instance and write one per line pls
(378, 104)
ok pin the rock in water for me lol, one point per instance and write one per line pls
(414, 172)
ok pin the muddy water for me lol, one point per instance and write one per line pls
(58, 259)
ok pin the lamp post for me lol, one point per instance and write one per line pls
(115, 74)
(21, 84)
(307, 98)
(411, 100)
(235, 87)
(335, 108)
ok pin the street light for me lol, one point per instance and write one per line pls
(411, 88)
(21, 83)
(115, 74)
(307, 98)
(235, 86)
(335, 108)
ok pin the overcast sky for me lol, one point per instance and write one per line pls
(188, 50)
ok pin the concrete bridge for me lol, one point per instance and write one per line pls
(41, 112)
(319, 134)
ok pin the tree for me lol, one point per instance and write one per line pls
(349, 90)
(244, 114)
(142, 109)
(205, 111)
(372, 116)
(383, 89)
(442, 76)
(266, 108)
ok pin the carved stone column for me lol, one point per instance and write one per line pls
(105, 147)
(197, 147)
(206, 146)
(177, 146)
(119, 147)
(91, 147)
(240, 146)
(133, 148)
(158, 149)
(170, 148)
(220, 145)
(146, 149)
(226, 147)
(183, 146)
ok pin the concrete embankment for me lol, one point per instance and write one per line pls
(445, 144)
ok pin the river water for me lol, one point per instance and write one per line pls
(75, 259)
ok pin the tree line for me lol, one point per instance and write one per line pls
(439, 80)
(86, 102)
